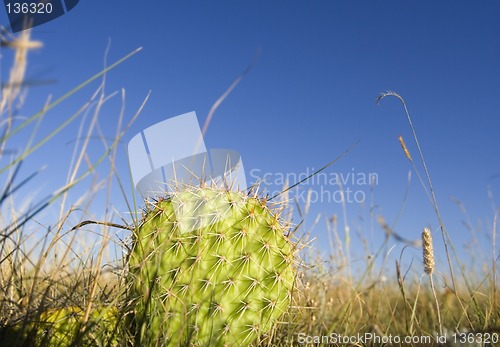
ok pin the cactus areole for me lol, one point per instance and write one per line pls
(209, 267)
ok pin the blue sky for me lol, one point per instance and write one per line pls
(309, 97)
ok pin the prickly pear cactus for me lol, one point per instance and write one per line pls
(209, 267)
(60, 328)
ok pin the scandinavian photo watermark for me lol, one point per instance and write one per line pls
(371, 338)
(326, 187)
(25, 15)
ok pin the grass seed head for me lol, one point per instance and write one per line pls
(429, 263)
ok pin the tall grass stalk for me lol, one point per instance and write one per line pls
(444, 233)
(429, 265)
(36, 273)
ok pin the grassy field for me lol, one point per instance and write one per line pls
(53, 284)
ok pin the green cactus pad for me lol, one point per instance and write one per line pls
(209, 267)
(60, 327)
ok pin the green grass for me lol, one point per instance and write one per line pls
(44, 267)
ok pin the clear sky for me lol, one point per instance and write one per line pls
(310, 96)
